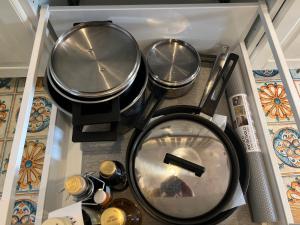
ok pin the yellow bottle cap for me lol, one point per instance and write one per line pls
(75, 185)
(113, 216)
(58, 221)
(107, 168)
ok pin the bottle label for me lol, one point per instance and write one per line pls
(243, 123)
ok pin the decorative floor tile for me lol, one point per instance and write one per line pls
(286, 145)
(266, 75)
(38, 87)
(292, 185)
(31, 166)
(274, 102)
(7, 85)
(5, 111)
(4, 163)
(39, 118)
(24, 211)
(295, 74)
(1, 159)
(297, 84)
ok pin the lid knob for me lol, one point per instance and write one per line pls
(107, 168)
(113, 216)
(58, 221)
(75, 185)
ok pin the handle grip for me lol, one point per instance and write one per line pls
(172, 159)
(93, 116)
(210, 103)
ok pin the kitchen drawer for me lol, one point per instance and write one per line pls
(205, 26)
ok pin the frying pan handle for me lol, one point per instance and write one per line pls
(172, 159)
(152, 103)
(106, 120)
(210, 102)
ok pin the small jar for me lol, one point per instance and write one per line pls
(114, 174)
(121, 212)
(82, 188)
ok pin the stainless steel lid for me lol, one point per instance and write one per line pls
(173, 62)
(174, 190)
(95, 59)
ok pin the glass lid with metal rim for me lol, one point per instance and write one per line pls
(95, 59)
(173, 62)
(182, 168)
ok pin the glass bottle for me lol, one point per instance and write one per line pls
(82, 188)
(114, 174)
(103, 197)
(121, 212)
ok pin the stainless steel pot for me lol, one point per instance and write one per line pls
(173, 66)
(131, 105)
(95, 60)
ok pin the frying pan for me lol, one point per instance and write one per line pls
(207, 105)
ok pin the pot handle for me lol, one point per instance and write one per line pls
(152, 103)
(83, 118)
(187, 165)
(213, 92)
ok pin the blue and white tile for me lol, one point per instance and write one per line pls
(5, 112)
(266, 75)
(286, 145)
(7, 85)
(39, 118)
(6, 148)
(24, 211)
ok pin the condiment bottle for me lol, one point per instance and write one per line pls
(82, 188)
(114, 174)
(121, 212)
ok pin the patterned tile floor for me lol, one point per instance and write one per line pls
(34, 149)
(283, 131)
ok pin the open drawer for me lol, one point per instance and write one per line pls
(205, 26)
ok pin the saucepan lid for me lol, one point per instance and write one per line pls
(95, 59)
(173, 62)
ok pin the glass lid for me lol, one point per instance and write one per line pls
(173, 62)
(95, 60)
(182, 168)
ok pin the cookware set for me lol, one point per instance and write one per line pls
(182, 167)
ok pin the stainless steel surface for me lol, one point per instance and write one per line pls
(95, 152)
(217, 68)
(95, 60)
(173, 62)
(173, 190)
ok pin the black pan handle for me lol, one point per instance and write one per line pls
(172, 159)
(210, 102)
(152, 103)
(92, 116)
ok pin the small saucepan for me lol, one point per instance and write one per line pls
(173, 66)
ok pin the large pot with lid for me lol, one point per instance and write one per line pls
(97, 75)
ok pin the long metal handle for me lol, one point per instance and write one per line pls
(172, 159)
(210, 102)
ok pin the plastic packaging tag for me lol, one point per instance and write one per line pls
(74, 212)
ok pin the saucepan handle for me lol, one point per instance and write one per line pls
(187, 165)
(210, 101)
(82, 117)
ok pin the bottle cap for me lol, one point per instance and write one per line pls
(58, 221)
(75, 185)
(113, 216)
(101, 197)
(107, 168)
